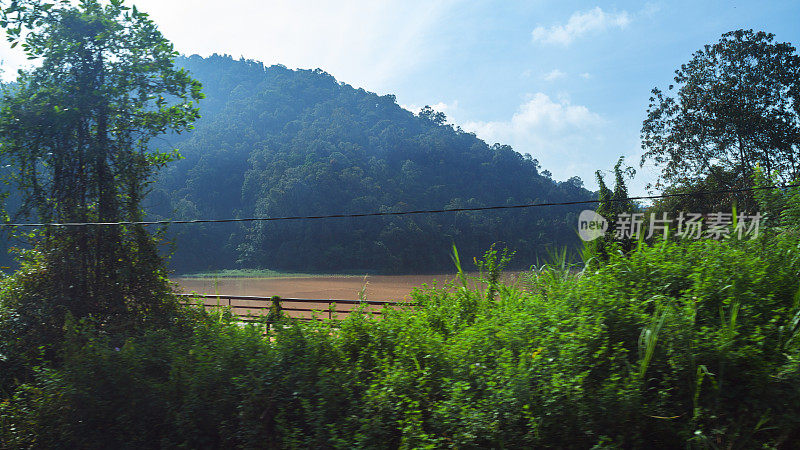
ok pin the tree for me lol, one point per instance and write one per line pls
(612, 204)
(77, 128)
(736, 105)
(437, 117)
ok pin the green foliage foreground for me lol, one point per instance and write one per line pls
(678, 343)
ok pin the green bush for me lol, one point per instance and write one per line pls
(676, 344)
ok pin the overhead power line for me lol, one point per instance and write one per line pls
(392, 213)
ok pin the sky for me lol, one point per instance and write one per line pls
(565, 81)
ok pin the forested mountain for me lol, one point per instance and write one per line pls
(278, 142)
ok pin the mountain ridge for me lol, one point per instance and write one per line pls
(280, 142)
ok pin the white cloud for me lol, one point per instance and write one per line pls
(446, 108)
(586, 75)
(562, 136)
(554, 75)
(579, 24)
(542, 114)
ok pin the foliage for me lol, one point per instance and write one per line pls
(735, 106)
(781, 206)
(277, 142)
(490, 268)
(611, 205)
(679, 344)
(686, 196)
(77, 129)
(666, 344)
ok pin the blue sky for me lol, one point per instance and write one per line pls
(566, 81)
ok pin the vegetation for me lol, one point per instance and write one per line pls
(679, 343)
(77, 128)
(659, 344)
(611, 205)
(272, 139)
(735, 108)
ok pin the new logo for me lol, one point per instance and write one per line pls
(591, 225)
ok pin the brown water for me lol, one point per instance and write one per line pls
(377, 287)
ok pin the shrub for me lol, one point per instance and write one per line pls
(676, 344)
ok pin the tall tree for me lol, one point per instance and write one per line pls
(611, 205)
(77, 127)
(736, 105)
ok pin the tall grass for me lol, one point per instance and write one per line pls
(675, 345)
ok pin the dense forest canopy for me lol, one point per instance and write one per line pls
(278, 142)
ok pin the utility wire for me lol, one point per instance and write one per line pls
(397, 213)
